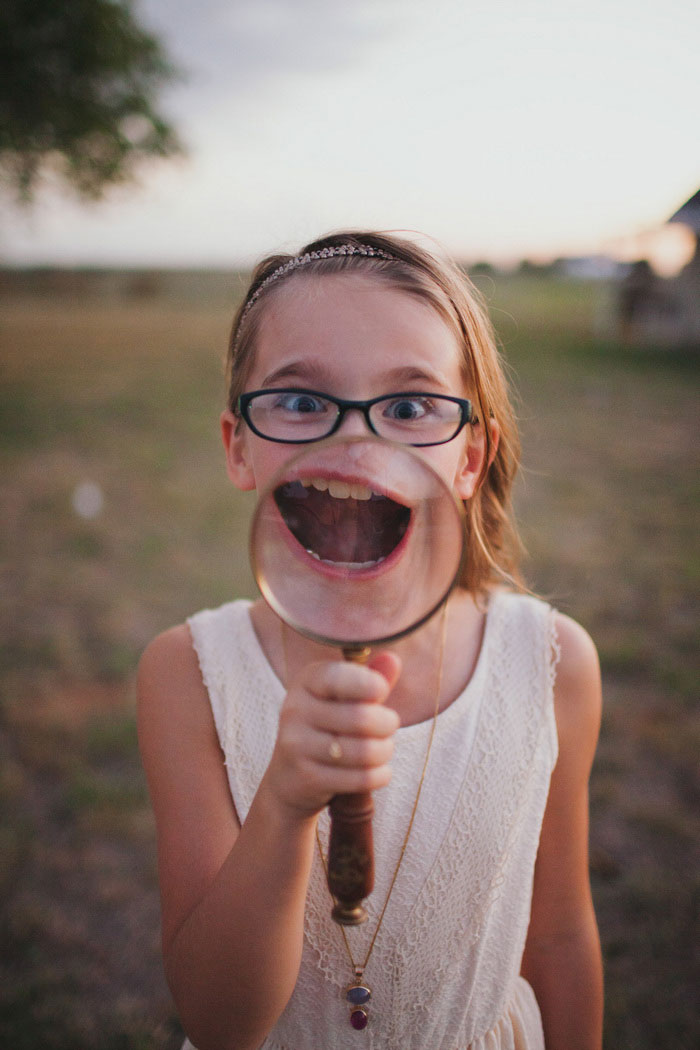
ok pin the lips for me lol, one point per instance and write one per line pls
(342, 523)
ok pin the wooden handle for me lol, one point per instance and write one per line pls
(351, 856)
(351, 848)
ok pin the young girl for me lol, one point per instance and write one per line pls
(477, 731)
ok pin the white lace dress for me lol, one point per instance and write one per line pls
(445, 969)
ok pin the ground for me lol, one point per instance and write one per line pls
(123, 392)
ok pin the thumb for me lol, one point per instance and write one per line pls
(388, 664)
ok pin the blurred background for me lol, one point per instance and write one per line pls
(149, 153)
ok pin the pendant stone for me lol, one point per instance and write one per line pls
(359, 1019)
(358, 995)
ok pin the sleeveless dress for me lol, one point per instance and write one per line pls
(445, 969)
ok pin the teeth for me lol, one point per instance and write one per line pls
(339, 489)
(352, 565)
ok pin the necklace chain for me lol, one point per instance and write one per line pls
(357, 969)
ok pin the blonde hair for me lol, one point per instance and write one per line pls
(493, 546)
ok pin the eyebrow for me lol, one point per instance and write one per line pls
(311, 371)
(305, 371)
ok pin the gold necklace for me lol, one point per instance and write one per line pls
(358, 994)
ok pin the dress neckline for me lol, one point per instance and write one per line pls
(415, 727)
(452, 710)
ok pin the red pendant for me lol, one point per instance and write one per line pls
(359, 1018)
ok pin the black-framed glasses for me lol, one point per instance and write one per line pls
(295, 415)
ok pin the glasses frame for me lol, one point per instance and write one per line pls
(344, 406)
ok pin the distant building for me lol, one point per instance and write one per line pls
(687, 283)
(664, 312)
(689, 214)
(589, 267)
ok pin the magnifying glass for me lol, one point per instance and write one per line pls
(355, 543)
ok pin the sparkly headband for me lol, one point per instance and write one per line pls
(302, 260)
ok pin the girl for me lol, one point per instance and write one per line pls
(477, 731)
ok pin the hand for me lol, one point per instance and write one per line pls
(335, 734)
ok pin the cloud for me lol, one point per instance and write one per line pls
(236, 47)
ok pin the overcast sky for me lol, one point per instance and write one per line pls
(503, 129)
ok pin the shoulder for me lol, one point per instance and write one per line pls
(176, 654)
(208, 625)
(577, 691)
(578, 654)
(173, 646)
(172, 698)
(169, 659)
(575, 672)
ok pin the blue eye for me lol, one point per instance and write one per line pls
(407, 409)
(300, 403)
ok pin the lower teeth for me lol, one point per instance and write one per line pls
(344, 564)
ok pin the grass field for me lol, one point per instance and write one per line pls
(124, 394)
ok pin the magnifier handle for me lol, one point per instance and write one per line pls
(351, 846)
(351, 856)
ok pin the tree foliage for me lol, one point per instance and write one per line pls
(78, 84)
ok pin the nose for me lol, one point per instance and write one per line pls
(353, 424)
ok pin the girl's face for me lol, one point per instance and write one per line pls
(353, 337)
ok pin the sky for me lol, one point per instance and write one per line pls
(523, 128)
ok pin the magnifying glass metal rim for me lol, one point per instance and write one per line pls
(268, 593)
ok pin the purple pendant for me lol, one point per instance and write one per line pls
(359, 1019)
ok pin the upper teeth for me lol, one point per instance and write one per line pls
(339, 489)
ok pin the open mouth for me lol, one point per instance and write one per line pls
(342, 523)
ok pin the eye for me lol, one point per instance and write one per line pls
(408, 409)
(299, 403)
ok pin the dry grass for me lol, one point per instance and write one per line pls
(125, 394)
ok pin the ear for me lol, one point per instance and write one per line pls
(234, 436)
(469, 475)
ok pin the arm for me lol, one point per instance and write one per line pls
(562, 959)
(233, 897)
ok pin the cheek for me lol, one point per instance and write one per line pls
(446, 460)
(266, 458)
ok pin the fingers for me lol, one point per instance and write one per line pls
(335, 733)
(350, 752)
(355, 718)
(324, 782)
(343, 680)
(339, 765)
(388, 665)
(347, 699)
